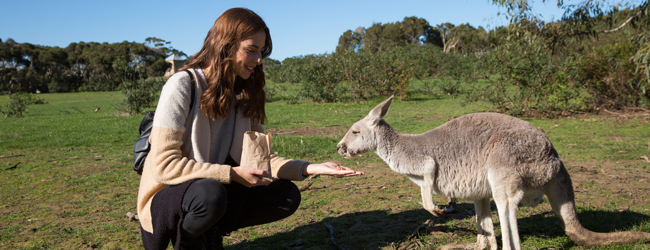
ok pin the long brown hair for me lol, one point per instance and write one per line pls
(217, 54)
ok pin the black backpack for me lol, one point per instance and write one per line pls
(141, 147)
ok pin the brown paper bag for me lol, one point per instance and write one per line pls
(256, 151)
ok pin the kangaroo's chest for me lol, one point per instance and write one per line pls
(412, 165)
(455, 179)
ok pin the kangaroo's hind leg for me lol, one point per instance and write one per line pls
(507, 193)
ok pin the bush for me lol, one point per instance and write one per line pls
(642, 59)
(577, 77)
(611, 78)
(139, 95)
(95, 85)
(321, 79)
(361, 75)
(18, 103)
(529, 78)
(372, 74)
(270, 93)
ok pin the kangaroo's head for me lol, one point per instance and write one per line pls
(362, 136)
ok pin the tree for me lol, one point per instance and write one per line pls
(11, 60)
(161, 46)
(472, 40)
(381, 37)
(415, 30)
(448, 37)
(373, 38)
(351, 40)
(80, 66)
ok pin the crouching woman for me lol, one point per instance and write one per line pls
(193, 189)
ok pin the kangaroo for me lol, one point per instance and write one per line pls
(477, 157)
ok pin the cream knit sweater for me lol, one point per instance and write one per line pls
(188, 147)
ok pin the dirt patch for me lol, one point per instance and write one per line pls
(619, 185)
(626, 113)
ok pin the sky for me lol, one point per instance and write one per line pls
(298, 28)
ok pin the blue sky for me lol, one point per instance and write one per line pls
(297, 27)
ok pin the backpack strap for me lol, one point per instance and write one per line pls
(141, 147)
(192, 86)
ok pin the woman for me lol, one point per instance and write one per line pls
(192, 189)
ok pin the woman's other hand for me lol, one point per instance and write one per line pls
(249, 177)
(330, 168)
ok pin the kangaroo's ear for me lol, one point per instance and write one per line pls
(378, 113)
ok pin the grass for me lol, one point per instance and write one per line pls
(67, 181)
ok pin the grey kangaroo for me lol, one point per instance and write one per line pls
(477, 157)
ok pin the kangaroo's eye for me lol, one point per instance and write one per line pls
(355, 132)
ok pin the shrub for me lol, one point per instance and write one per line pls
(18, 103)
(642, 59)
(611, 78)
(531, 75)
(321, 79)
(139, 95)
(270, 93)
(361, 75)
(96, 84)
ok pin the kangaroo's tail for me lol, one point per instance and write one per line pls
(560, 195)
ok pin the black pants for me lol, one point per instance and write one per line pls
(208, 203)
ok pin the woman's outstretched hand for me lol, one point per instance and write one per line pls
(330, 168)
(249, 177)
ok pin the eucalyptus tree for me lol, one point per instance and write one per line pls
(381, 37)
(11, 60)
(448, 36)
(350, 40)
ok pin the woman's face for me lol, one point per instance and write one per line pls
(249, 54)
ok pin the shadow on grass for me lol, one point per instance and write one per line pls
(379, 228)
(362, 230)
(545, 225)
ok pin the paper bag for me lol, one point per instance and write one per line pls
(256, 151)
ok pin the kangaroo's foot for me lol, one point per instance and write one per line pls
(471, 246)
(450, 206)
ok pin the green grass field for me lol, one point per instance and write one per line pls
(67, 182)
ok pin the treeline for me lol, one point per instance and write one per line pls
(594, 57)
(384, 58)
(81, 66)
(464, 39)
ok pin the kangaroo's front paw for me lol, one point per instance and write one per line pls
(437, 212)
